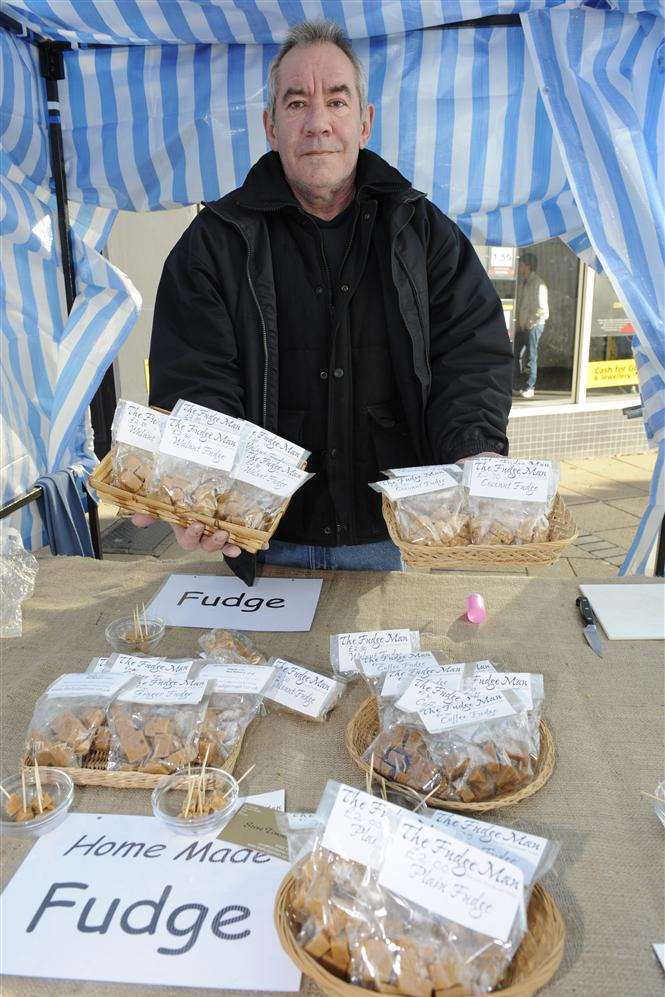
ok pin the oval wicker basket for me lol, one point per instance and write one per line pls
(250, 540)
(93, 772)
(562, 532)
(535, 963)
(364, 727)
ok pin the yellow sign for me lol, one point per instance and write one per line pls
(611, 373)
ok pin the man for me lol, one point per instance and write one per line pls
(332, 303)
(532, 314)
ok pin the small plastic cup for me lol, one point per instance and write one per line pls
(121, 635)
(170, 795)
(56, 783)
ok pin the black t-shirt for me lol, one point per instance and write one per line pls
(336, 235)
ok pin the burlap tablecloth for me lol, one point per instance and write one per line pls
(606, 716)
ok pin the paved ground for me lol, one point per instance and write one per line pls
(606, 495)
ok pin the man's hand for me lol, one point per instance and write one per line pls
(191, 537)
(485, 453)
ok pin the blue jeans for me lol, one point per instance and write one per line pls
(382, 556)
(526, 354)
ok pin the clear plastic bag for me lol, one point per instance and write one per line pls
(229, 646)
(347, 651)
(389, 675)
(295, 689)
(235, 699)
(493, 520)
(428, 505)
(261, 484)
(192, 464)
(135, 435)
(70, 719)
(18, 572)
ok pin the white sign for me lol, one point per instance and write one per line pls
(302, 690)
(399, 676)
(521, 683)
(77, 685)
(138, 426)
(237, 679)
(114, 898)
(358, 826)
(508, 478)
(452, 879)
(163, 690)
(279, 604)
(204, 445)
(132, 664)
(345, 649)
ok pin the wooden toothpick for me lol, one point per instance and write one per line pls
(3, 790)
(38, 785)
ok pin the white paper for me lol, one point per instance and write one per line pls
(269, 443)
(300, 689)
(400, 676)
(358, 826)
(345, 649)
(454, 470)
(372, 665)
(415, 484)
(518, 682)
(523, 850)
(440, 709)
(628, 612)
(237, 678)
(204, 445)
(277, 604)
(207, 417)
(508, 478)
(137, 875)
(138, 426)
(481, 667)
(132, 664)
(452, 879)
(659, 949)
(77, 684)
(268, 472)
(164, 691)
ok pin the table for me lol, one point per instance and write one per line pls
(606, 716)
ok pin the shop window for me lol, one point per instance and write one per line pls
(558, 268)
(611, 368)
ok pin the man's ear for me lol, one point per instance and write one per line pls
(271, 131)
(366, 127)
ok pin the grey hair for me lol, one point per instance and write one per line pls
(315, 33)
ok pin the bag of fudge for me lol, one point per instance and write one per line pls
(509, 500)
(235, 698)
(428, 505)
(135, 435)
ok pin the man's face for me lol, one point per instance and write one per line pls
(318, 130)
(523, 269)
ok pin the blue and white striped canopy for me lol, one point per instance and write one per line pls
(518, 133)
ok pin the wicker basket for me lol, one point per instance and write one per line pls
(364, 727)
(536, 961)
(562, 532)
(242, 536)
(94, 773)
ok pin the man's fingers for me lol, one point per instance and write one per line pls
(141, 519)
(230, 550)
(188, 537)
(216, 541)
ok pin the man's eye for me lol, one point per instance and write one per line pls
(338, 103)
(296, 104)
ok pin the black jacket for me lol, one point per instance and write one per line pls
(215, 336)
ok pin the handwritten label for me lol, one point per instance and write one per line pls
(400, 675)
(268, 472)
(508, 478)
(76, 685)
(440, 709)
(207, 417)
(138, 426)
(523, 850)
(204, 445)
(452, 878)
(275, 446)
(238, 679)
(166, 691)
(134, 665)
(415, 484)
(481, 667)
(521, 683)
(300, 689)
(454, 470)
(358, 826)
(345, 649)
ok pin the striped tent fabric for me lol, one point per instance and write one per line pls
(592, 67)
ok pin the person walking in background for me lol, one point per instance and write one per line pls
(532, 314)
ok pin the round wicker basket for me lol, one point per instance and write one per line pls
(562, 532)
(535, 962)
(364, 727)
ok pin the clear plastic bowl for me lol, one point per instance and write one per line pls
(170, 794)
(659, 802)
(54, 781)
(118, 635)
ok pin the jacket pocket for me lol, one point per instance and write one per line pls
(392, 443)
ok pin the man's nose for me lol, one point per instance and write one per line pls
(318, 121)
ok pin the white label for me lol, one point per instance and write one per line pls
(78, 684)
(202, 445)
(429, 469)
(440, 709)
(347, 648)
(400, 676)
(416, 484)
(97, 665)
(139, 426)
(302, 821)
(164, 691)
(659, 949)
(268, 472)
(358, 826)
(133, 665)
(508, 478)
(523, 850)
(237, 678)
(300, 689)
(273, 445)
(482, 667)
(517, 682)
(207, 417)
(452, 879)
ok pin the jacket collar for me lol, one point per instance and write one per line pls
(266, 188)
